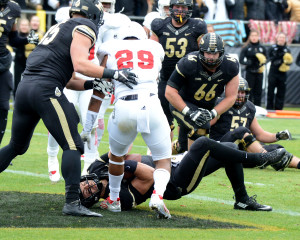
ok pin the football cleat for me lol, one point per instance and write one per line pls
(252, 205)
(113, 206)
(271, 158)
(76, 209)
(157, 204)
(284, 162)
(53, 169)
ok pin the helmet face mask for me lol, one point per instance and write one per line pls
(243, 94)
(181, 15)
(211, 43)
(91, 9)
(94, 196)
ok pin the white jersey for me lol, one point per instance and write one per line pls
(144, 58)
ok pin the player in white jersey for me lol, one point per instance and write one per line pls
(137, 110)
(162, 12)
(81, 100)
(108, 31)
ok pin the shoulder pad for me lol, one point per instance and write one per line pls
(199, 26)
(187, 64)
(87, 31)
(149, 18)
(157, 24)
(231, 65)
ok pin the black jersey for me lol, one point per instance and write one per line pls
(177, 42)
(196, 85)
(8, 18)
(233, 119)
(51, 59)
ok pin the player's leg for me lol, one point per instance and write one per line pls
(5, 89)
(159, 143)
(61, 119)
(101, 123)
(122, 129)
(53, 164)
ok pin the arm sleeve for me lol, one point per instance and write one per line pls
(15, 40)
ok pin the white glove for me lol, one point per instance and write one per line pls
(103, 86)
(86, 137)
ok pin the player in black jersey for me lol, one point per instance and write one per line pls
(9, 12)
(204, 157)
(240, 125)
(63, 50)
(196, 83)
(179, 35)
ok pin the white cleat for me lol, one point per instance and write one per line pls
(53, 169)
(157, 204)
(113, 206)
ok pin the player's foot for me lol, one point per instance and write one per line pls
(53, 169)
(157, 204)
(113, 206)
(252, 205)
(271, 158)
(283, 163)
(76, 209)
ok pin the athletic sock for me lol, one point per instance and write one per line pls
(161, 178)
(114, 186)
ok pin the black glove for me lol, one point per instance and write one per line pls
(124, 76)
(33, 38)
(198, 117)
(283, 135)
(103, 86)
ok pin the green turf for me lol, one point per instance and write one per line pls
(30, 205)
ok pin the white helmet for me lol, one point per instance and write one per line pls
(161, 5)
(112, 5)
(134, 29)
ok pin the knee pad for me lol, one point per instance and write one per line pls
(193, 135)
(247, 141)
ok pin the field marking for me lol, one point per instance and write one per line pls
(227, 202)
(193, 196)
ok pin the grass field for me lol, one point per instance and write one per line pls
(30, 205)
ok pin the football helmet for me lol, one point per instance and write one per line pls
(112, 5)
(241, 97)
(161, 10)
(3, 3)
(91, 9)
(134, 29)
(211, 43)
(180, 15)
(95, 197)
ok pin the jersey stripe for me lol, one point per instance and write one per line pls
(64, 123)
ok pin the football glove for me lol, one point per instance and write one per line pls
(126, 77)
(283, 135)
(33, 38)
(103, 86)
(198, 117)
(86, 137)
(288, 58)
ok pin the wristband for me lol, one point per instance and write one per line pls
(214, 113)
(108, 73)
(89, 84)
(185, 110)
(277, 136)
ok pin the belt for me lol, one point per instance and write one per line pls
(133, 97)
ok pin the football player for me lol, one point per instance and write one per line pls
(179, 35)
(205, 157)
(10, 11)
(49, 68)
(240, 125)
(196, 83)
(137, 110)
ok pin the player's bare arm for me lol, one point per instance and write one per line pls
(261, 134)
(174, 98)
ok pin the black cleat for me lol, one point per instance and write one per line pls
(283, 163)
(271, 158)
(251, 205)
(76, 209)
